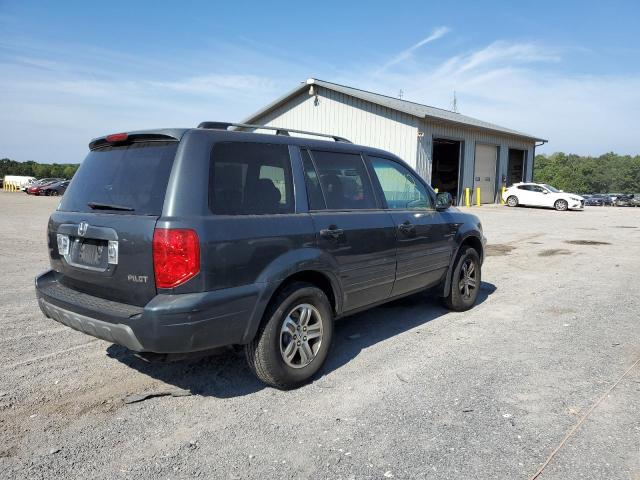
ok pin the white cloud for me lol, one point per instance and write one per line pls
(406, 54)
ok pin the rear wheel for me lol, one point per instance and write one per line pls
(54, 193)
(294, 338)
(561, 205)
(465, 281)
(512, 201)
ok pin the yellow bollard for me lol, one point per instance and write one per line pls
(504, 189)
(478, 196)
(467, 201)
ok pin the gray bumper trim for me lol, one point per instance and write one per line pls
(111, 332)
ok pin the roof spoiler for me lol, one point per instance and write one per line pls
(125, 139)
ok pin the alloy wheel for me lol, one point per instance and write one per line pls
(301, 335)
(468, 279)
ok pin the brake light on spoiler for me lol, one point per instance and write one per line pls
(117, 137)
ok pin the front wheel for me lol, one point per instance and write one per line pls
(465, 281)
(54, 193)
(561, 205)
(512, 201)
(293, 341)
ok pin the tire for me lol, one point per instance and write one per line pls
(512, 201)
(267, 353)
(561, 205)
(463, 296)
(54, 193)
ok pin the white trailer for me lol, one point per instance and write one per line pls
(15, 183)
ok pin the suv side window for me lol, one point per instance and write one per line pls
(250, 179)
(402, 190)
(344, 180)
(314, 191)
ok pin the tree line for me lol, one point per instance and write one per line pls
(38, 170)
(608, 173)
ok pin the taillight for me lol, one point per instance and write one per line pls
(176, 256)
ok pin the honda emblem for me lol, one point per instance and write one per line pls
(82, 228)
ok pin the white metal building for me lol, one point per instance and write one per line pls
(450, 150)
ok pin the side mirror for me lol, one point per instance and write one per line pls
(443, 201)
(545, 191)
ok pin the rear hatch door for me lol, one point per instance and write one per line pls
(100, 237)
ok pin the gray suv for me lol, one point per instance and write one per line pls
(177, 241)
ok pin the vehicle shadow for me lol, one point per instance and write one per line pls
(226, 374)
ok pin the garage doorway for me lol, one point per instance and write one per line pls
(515, 166)
(445, 172)
(484, 175)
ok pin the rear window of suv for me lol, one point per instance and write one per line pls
(131, 176)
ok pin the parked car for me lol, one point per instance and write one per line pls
(541, 195)
(55, 189)
(592, 201)
(606, 199)
(36, 187)
(176, 241)
(627, 201)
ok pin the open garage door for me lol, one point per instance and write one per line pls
(446, 166)
(485, 172)
(515, 167)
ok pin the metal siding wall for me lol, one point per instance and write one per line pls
(470, 138)
(361, 122)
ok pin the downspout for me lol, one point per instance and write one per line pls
(533, 160)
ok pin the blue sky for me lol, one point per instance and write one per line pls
(74, 70)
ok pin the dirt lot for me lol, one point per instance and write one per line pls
(410, 390)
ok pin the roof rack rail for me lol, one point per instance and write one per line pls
(278, 130)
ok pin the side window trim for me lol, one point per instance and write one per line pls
(380, 192)
(300, 197)
(315, 168)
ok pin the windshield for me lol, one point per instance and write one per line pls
(550, 188)
(132, 177)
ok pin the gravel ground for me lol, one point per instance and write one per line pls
(410, 390)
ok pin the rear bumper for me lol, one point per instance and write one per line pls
(167, 324)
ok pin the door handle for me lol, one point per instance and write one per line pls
(331, 233)
(407, 227)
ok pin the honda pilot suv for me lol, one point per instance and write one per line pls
(177, 241)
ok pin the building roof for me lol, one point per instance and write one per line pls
(411, 108)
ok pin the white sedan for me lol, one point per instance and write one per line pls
(541, 195)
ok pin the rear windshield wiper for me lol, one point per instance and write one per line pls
(107, 206)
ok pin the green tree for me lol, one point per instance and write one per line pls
(607, 173)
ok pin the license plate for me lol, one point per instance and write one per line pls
(90, 253)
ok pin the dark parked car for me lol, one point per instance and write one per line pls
(604, 199)
(55, 189)
(177, 241)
